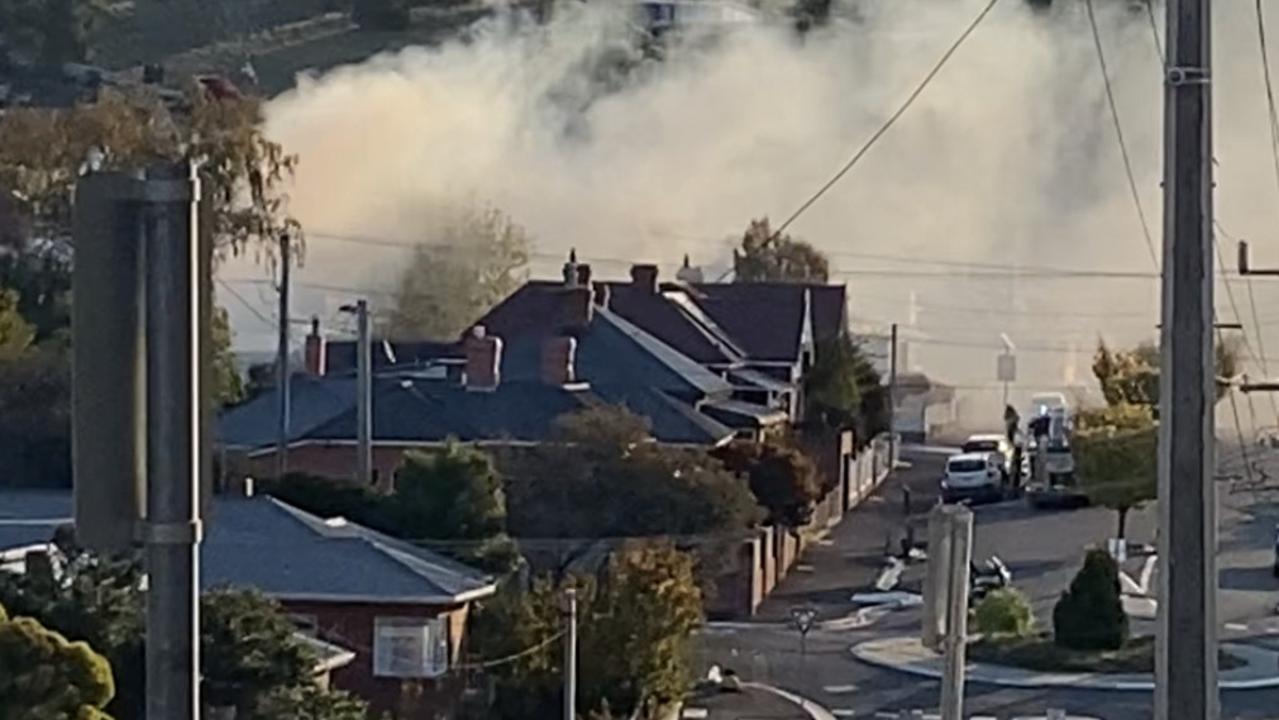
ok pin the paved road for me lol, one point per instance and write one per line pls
(1043, 550)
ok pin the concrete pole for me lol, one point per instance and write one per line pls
(960, 521)
(174, 398)
(570, 657)
(1186, 661)
(892, 399)
(282, 365)
(364, 386)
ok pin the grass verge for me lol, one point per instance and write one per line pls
(1039, 653)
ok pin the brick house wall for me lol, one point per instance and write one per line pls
(335, 461)
(351, 625)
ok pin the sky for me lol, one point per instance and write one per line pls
(957, 224)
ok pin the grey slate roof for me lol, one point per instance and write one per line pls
(313, 401)
(286, 553)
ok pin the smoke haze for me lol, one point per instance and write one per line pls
(1008, 158)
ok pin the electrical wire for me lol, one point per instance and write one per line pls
(485, 664)
(1119, 134)
(1154, 30)
(1270, 92)
(244, 301)
(910, 100)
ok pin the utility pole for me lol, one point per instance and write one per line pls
(364, 384)
(282, 365)
(961, 540)
(1186, 661)
(173, 458)
(570, 657)
(892, 398)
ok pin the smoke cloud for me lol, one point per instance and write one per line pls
(1008, 158)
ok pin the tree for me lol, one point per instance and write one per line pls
(477, 258)
(1004, 612)
(455, 494)
(635, 626)
(48, 678)
(247, 651)
(1090, 615)
(766, 256)
(782, 478)
(637, 487)
(251, 658)
(309, 701)
(1116, 458)
(843, 390)
(1132, 376)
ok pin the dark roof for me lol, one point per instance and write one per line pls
(740, 414)
(676, 321)
(767, 319)
(406, 410)
(313, 401)
(521, 408)
(286, 553)
(29, 517)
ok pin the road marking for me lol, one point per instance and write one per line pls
(840, 689)
(803, 568)
(695, 713)
(1236, 627)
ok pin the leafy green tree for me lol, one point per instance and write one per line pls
(1004, 612)
(308, 701)
(635, 626)
(1090, 615)
(247, 650)
(1132, 376)
(1116, 455)
(782, 478)
(455, 494)
(843, 390)
(476, 258)
(16, 334)
(768, 257)
(46, 677)
(638, 487)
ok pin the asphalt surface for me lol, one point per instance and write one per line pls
(1043, 550)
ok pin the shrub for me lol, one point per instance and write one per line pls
(1090, 615)
(1003, 613)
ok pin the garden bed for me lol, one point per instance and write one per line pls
(1040, 654)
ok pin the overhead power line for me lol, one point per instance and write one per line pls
(910, 100)
(244, 301)
(1119, 134)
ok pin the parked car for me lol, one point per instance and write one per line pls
(992, 443)
(974, 476)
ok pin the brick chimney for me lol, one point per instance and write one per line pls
(559, 360)
(315, 349)
(644, 278)
(574, 309)
(483, 360)
(602, 293)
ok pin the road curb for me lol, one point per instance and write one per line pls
(810, 707)
(879, 654)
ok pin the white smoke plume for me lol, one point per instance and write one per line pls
(1008, 158)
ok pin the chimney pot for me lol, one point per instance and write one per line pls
(559, 360)
(575, 309)
(483, 360)
(601, 293)
(644, 278)
(315, 360)
(584, 275)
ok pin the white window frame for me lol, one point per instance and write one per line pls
(422, 644)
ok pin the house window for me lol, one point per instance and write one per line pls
(410, 647)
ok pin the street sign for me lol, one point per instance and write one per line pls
(1006, 368)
